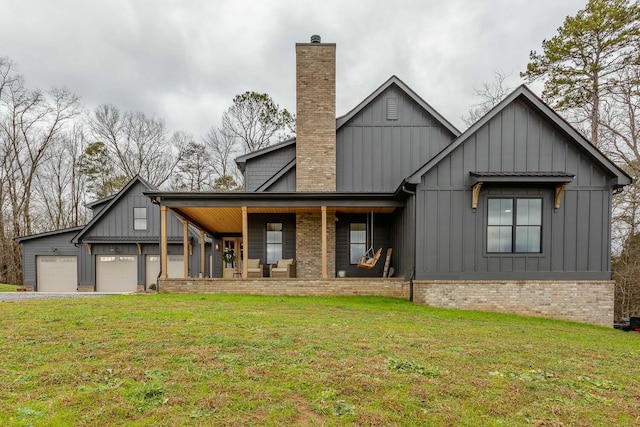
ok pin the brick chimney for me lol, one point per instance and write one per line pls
(315, 116)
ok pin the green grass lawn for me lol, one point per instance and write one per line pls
(240, 360)
(8, 288)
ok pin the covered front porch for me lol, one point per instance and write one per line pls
(310, 228)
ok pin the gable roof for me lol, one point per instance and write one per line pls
(342, 120)
(242, 160)
(48, 233)
(393, 80)
(136, 179)
(99, 202)
(524, 93)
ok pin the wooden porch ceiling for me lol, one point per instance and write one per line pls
(222, 220)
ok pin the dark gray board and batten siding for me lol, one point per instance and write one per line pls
(55, 244)
(451, 236)
(375, 153)
(260, 169)
(115, 229)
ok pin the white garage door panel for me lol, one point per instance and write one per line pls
(175, 270)
(116, 273)
(57, 273)
(176, 267)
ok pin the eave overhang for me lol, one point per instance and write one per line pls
(221, 213)
(273, 200)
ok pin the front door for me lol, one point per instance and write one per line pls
(231, 257)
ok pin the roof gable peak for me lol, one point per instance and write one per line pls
(397, 82)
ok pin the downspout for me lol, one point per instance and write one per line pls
(415, 220)
(154, 201)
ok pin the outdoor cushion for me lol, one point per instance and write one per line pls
(279, 269)
(254, 270)
(253, 263)
(284, 263)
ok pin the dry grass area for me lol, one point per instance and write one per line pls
(273, 361)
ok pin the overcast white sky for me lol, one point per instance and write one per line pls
(185, 60)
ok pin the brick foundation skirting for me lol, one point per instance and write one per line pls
(396, 288)
(579, 301)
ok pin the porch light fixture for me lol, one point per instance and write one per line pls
(217, 247)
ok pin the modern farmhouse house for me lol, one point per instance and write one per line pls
(512, 215)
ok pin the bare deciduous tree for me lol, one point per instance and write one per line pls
(490, 94)
(60, 186)
(137, 144)
(30, 122)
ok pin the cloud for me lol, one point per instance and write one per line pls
(184, 61)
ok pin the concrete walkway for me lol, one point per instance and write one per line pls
(24, 296)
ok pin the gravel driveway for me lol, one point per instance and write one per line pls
(22, 296)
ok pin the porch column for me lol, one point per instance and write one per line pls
(163, 242)
(202, 257)
(324, 242)
(185, 246)
(245, 243)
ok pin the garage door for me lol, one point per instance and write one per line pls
(116, 273)
(57, 273)
(176, 268)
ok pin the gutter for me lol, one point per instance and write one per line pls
(403, 188)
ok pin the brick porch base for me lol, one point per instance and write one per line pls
(396, 288)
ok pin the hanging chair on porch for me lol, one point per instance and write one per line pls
(370, 258)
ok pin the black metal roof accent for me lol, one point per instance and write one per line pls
(48, 234)
(521, 177)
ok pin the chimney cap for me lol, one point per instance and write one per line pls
(315, 39)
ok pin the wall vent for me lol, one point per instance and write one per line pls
(392, 109)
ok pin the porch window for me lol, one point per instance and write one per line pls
(357, 241)
(274, 242)
(514, 225)
(139, 218)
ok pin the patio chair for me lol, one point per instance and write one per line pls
(284, 269)
(254, 268)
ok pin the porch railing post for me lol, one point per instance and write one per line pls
(163, 242)
(324, 242)
(245, 243)
(185, 246)
(202, 254)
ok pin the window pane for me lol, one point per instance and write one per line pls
(529, 212)
(274, 236)
(499, 238)
(528, 238)
(274, 226)
(358, 233)
(500, 212)
(274, 242)
(274, 253)
(274, 232)
(357, 241)
(357, 251)
(139, 218)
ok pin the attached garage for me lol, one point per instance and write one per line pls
(116, 273)
(176, 268)
(57, 273)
